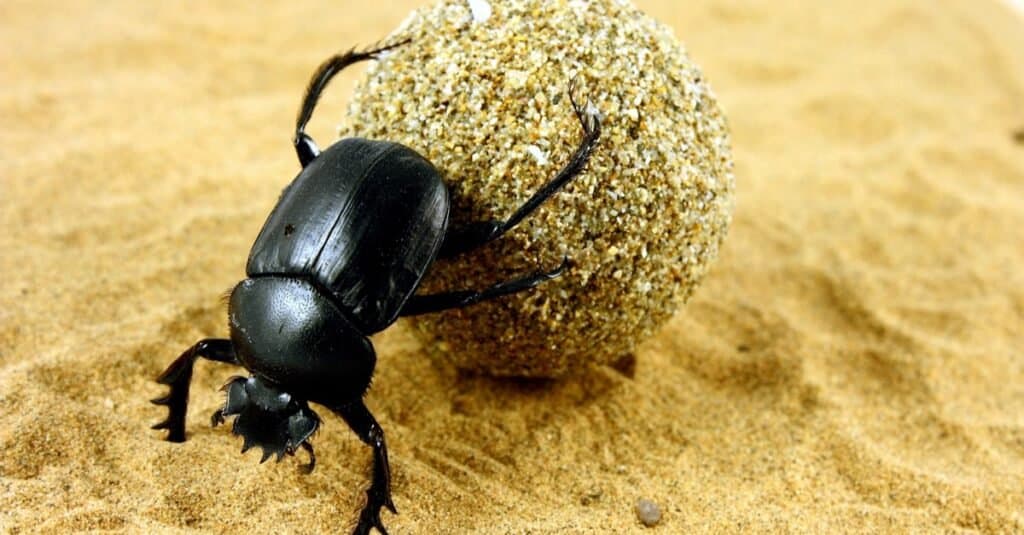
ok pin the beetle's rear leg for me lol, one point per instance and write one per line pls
(358, 417)
(469, 236)
(179, 375)
(305, 147)
(425, 304)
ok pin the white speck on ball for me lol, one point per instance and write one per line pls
(481, 10)
(537, 154)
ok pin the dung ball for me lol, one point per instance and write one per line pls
(481, 90)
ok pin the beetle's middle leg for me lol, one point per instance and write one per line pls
(179, 376)
(469, 236)
(425, 304)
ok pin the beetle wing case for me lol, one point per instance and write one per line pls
(365, 219)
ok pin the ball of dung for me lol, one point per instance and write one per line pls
(481, 90)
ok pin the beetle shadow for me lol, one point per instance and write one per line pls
(517, 408)
(524, 405)
(444, 390)
(490, 393)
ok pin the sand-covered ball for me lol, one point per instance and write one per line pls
(482, 92)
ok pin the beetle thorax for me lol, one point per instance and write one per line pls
(286, 330)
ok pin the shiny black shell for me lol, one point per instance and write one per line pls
(363, 221)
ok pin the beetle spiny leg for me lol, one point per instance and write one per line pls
(178, 376)
(163, 400)
(165, 424)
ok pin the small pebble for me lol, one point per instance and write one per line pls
(648, 512)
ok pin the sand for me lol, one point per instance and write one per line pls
(851, 363)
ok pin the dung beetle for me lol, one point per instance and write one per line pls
(340, 258)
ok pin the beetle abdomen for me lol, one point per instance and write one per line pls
(364, 220)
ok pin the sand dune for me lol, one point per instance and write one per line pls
(852, 363)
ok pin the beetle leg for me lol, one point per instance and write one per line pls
(312, 457)
(425, 304)
(469, 236)
(179, 375)
(358, 417)
(305, 147)
(472, 235)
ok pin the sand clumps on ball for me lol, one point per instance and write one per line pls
(481, 91)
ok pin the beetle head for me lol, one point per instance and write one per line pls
(267, 416)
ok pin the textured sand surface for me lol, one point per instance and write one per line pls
(853, 362)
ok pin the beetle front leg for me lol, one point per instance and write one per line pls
(358, 417)
(179, 376)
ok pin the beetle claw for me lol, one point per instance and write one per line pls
(376, 50)
(163, 400)
(557, 272)
(588, 114)
(175, 421)
(369, 518)
(308, 468)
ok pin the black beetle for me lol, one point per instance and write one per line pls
(340, 258)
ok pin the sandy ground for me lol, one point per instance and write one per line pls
(853, 362)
